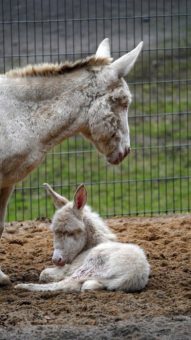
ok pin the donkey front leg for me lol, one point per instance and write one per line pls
(53, 274)
(4, 197)
(5, 193)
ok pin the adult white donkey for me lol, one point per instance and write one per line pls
(42, 105)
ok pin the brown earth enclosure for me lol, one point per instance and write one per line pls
(26, 250)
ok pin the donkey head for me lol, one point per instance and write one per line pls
(108, 114)
(69, 231)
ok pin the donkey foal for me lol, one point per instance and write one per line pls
(86, 253)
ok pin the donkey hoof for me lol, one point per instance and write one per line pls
(4, 279)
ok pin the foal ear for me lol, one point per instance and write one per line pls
(124, 64)
(103, 50)
(80, 197)
(58, 200)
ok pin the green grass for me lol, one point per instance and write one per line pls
(155, 178)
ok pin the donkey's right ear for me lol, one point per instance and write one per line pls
(80, 197)
(125, 63)
(58, 200)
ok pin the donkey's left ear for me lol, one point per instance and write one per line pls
(103, 50)
(80, 197)
(124, 64)
(58, 200)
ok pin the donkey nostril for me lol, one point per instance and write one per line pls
(58, 261)
(127, 151)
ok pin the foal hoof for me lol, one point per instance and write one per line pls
(22, 286)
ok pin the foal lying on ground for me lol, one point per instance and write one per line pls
(86, 253)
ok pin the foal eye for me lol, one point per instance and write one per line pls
(70, 234)
(60, 233)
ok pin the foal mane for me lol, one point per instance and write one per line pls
(48, 69)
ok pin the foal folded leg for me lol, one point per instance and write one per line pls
(4, 197)
(53, 274)
(92, 284)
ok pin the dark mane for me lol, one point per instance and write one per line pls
(48, 70)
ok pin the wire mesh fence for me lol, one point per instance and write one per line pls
(156, 177)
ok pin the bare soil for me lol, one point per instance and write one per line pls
(162, 310)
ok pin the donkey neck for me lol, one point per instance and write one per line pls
(67, 112)
(55, 107)
(97, 231)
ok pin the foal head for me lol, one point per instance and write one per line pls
(108, 114)
(69, 231)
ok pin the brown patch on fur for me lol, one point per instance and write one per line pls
(47, 70)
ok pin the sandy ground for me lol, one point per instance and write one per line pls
(161, 310)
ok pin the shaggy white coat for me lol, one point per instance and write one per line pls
(41, 106)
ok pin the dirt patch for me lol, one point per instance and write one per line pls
(26, 249)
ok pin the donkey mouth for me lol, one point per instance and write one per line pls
(115, 159)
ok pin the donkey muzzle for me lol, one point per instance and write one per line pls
(117, 158)
(57, 259)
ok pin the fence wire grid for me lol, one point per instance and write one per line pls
(156, 177)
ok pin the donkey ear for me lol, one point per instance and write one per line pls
(80, 197)
(58, 200)
(103, 50)
(124, 64)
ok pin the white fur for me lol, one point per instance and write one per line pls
(124, 64)
(38, 112)
(87, 254)
(103, 49)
